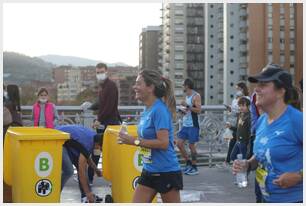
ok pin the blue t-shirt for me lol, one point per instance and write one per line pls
(153, 119)
(278, 147)
(81, 134)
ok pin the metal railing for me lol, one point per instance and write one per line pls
(212, 124)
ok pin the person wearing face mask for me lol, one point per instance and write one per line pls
(241, 90)
(107, 107)
(44, 113)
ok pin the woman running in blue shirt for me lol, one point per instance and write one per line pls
(278, 147)
(161, 171)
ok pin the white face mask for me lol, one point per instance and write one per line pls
(101, 76)
(5, 94)
(43, 101)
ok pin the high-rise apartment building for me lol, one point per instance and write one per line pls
(219, 45)
(183, 45)
(214, 60)
(149, 47)
(275, 35)
(235, 49)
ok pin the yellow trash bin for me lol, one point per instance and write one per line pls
(121, 164)
(33, 163)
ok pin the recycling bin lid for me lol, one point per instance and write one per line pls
(36, 133)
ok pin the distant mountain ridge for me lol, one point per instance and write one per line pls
(75, 61)
(19, 68)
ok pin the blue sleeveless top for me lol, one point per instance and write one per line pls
(191, 119)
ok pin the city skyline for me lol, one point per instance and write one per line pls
(106, 32)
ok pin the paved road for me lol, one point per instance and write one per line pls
(214, 184)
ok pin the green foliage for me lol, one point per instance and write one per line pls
(86, 95)
(22, 68)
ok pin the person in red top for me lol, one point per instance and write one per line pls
(107, 106)
(44, 113)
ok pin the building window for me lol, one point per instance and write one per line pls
(291, 59)
(211, 16)
(178, 57)
(211, 46)
(282, 9)
(211, 26)
(232, 60)
(179, 12)
(211, 66)
(232, 84)
(292, 35)
(282, 22)
(270, 58)
(211, 76)
(231, 37)
(232, 48)
(282, 59)
(211, 97)
(211, 56)
(211, 36)
(231, 72)
(211, 86)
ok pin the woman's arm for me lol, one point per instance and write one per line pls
(288, 179)
(161, 142)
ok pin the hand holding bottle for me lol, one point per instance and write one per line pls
(239, 166)
(123, 130)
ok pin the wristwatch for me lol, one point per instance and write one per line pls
(137, 142)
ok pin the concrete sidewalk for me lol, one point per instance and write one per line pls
(212, 185)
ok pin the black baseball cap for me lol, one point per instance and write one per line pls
(272, 72)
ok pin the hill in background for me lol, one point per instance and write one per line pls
(76, 61)
(19, 68)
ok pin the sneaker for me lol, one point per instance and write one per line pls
(90, 183)
(98, 199)
(186, 168)
(84, 200)
(193, 171)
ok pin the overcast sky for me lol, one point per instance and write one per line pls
(101, 31)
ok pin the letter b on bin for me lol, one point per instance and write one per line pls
(33, 163)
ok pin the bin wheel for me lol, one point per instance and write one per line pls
(108, 199)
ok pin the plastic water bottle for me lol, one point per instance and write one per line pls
(123, 129)
(241, 177)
